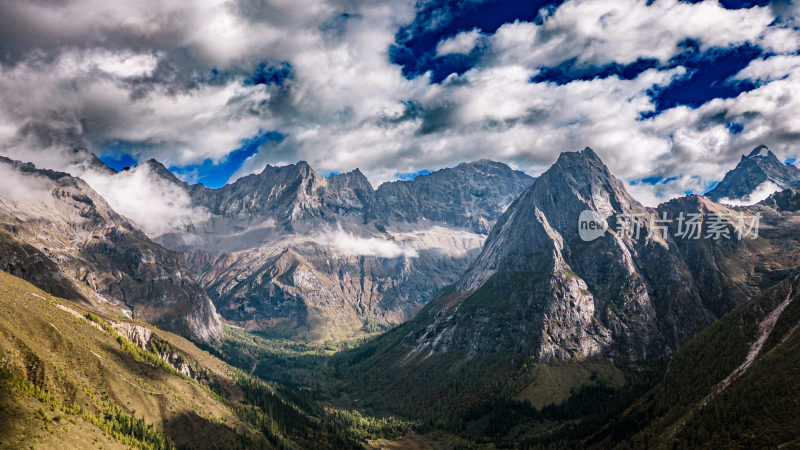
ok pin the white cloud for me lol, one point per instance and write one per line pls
(770, 69)
(21, 188)
(622, 31)
(154, 204)
(462, 43)
(351, 245)
(346, 105)
(126, 65)
(655, 194)
(761, 192)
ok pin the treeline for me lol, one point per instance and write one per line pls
(278, 419)
(114, 421)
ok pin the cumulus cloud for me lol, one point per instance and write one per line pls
(351, 245)
(769, 69)
(622, 31)
(463, 43)
(174, 81)
(664, 190)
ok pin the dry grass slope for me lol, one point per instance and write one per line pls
(60, 373)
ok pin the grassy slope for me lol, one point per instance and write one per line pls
(81, 366)
(755, 410)
(67, 377)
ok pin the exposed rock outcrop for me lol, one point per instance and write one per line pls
(299, 255)
(69, 241)
(538, 289)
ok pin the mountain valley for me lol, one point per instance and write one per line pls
(463, 308)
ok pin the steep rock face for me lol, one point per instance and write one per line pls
(300, 255)
(481, 197)
(757, 175)
(27, 262)
(60, 226)
(538, 289)
(787, 200)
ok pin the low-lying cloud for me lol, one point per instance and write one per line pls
(24, 188)
(351, 245)
(761, 192)
(156, 205)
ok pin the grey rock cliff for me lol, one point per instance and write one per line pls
(299, 255)
(67, 240)
(539, 290)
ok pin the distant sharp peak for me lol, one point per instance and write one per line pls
(582, 163)
(760, 152)
(301, 168)
(355, 173)
(83, 157)
(158, 169)
(587, 153)
(757, 175)
(584, 175)
(355, 178)
(762, 156)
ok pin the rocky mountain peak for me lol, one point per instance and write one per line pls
(761, 152)
(303, 169)
(354, 179)
(757, 175)
(161, 171)
(270, 174)
(560, 296)
(581, 163)
(82, 157)
(786, 200)
(580, 180)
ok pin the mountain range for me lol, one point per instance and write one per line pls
(543, 313)
(504, 309)
(62, 236)
(303, 256)
(622, 297)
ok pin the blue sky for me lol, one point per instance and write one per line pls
(669, 93)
